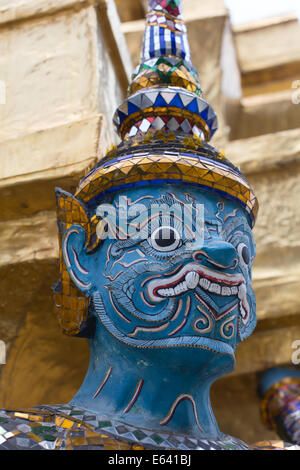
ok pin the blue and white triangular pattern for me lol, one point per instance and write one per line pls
(167, 97)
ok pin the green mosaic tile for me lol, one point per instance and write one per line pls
(104, 424)
(156, 438)
(47, 433)
(139, 434)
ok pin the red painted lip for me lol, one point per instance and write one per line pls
(210, 278)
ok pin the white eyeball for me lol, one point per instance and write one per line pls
(244, 253)
(165, 239)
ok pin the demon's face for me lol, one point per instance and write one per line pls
(173, 270)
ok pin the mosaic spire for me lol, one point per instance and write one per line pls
(165, 92)
(165, 124)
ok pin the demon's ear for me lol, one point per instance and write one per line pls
(72, 304)
(75, 257)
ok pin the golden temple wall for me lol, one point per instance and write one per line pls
(65, 67)
(268, 53)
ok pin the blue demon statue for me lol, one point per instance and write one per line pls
(156, 251)
(169, 303)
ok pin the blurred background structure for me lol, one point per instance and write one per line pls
(65, 66)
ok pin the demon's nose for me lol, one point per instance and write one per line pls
(218, 253)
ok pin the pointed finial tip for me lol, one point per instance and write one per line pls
(172, 7)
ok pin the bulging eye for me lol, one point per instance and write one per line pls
(165, 239)
(244, 253)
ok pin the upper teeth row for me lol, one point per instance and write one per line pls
(192, 279)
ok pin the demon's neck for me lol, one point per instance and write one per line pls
(163, 389)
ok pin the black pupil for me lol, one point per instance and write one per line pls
(165, 237)
(246, 255)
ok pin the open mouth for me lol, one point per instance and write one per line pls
(193, 275)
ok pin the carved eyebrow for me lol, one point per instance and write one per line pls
(157, 203)
(234, 225)
(238, 227)
(132, 218)
(234, 233)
